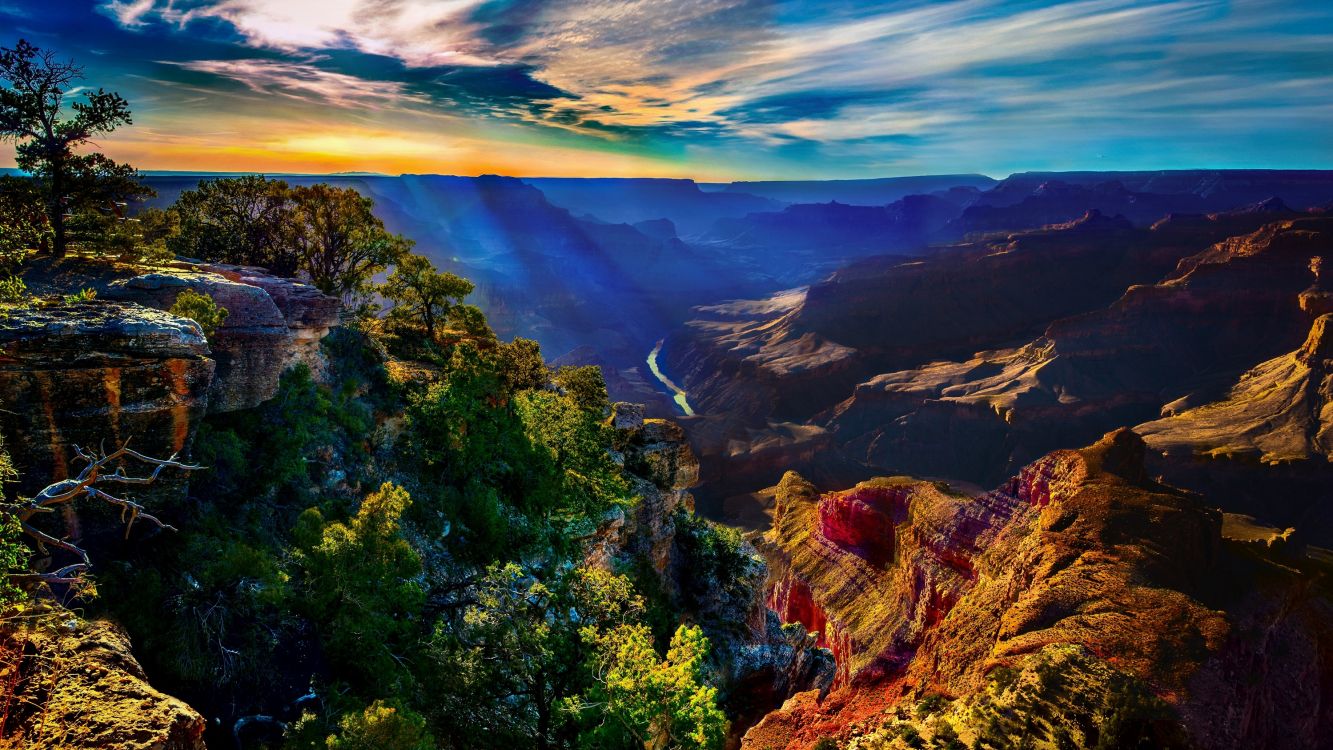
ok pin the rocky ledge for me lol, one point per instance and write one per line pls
(80, 374)
(1040, 593)
(76, 685)
(271, 324)
(120, 367)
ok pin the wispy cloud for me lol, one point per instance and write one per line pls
(962, 84)
(307, 82)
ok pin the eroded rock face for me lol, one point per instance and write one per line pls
(79, 687)
(1080, 550)
(1179, 341)
(271, 324)
(85, 373)
(760, 661)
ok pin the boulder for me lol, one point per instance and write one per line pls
(79, 687)
(81, 374)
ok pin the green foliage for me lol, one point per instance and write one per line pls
(201, 309)
(660, 702)
(340, 241)
(571, 472)
(522, 652)
(13, 551)
(521, 467)
(12, 289)
(83, 295)
(586, 386)
(382, 726)
(362, 587)
(31, 105)
(244, 220)
(23, 224)
(423, 297)
(522, 366)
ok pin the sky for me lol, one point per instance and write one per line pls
(710, 89)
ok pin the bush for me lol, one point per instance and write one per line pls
(382, 726)
(201, 309)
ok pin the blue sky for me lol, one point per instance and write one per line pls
(714, 89)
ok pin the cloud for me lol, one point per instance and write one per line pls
(847, 84)
(307, 82)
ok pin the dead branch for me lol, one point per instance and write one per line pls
(85, 485)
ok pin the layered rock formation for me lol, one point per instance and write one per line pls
(271, 324)
(80, 374)
(77, 685)
(1078, 551)
(119, 367)
(773, 372)
(1180, 340)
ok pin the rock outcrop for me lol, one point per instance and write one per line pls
(119, 367)
(1182, 339)
(271, 324)
(81, 374)
(760, 662)
(74, 684)
(1079, 551)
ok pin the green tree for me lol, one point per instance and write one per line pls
(571, 474)
(23, 224)
(243, 220)
(422, 296)
(362, 587)
(522, 365)
(201, 309)
(382, 726)
(662, 703)
(342, 244)
(31, 108)
(13, 551)
(522, 654)
(586, 386)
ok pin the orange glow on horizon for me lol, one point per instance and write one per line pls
(341, 149)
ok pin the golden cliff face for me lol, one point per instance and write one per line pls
(921, 591)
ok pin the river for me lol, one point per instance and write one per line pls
(677, 393)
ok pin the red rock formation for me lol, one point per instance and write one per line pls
(1080, 550)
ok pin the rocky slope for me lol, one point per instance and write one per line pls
(1180, 341)
(762, 369)
(1078, 583)
(759, 662)
(120, 367)
(71, 684)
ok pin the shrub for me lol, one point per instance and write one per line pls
(201, 309)
(382, 726)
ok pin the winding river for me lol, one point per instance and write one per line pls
(678, 394)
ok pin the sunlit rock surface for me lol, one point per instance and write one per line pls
(1079, 550)
(77, 685)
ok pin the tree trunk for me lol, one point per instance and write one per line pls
(57, 212)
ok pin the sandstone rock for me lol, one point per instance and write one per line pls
(91, 372)
(1080, 550)
(271, 324)
(79, 687)
(659, 452)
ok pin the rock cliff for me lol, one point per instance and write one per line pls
(1078, 551)
(760, 662)
(72, 684)
(120, 367)
(80, 374)
(1181, 340)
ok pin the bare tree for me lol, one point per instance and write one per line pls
(89, 483)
